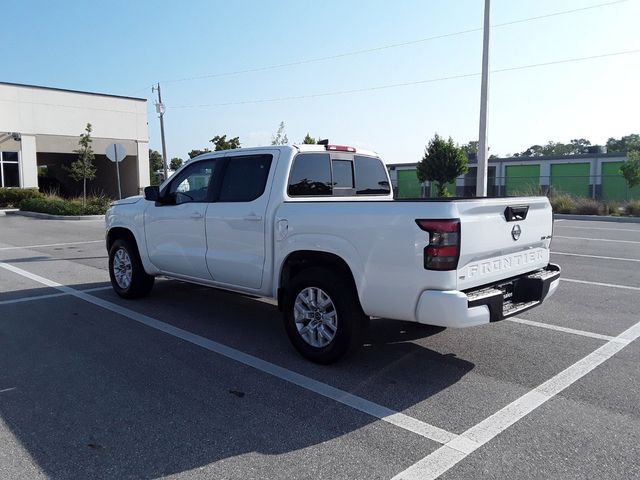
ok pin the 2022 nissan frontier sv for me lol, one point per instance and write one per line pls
(316, 227)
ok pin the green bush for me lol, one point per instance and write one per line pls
(587, 206)
(562, 203)
(633, 208)
(97, 205)
(53, 206)
(58, 206)
(526, 190)
(612, 208)
(11, 197)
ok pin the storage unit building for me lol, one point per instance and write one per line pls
(593, 175)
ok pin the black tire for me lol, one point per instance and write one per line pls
(141, 283)
(351, 321)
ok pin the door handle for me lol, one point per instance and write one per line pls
(196, 215)
(252, 218)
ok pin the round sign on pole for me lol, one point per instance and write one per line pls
(116, 152)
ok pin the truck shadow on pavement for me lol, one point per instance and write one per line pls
(92, 394)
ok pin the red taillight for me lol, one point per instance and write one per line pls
(339, 148)
(443, 250)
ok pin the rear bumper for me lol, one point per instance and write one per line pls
(489, 303)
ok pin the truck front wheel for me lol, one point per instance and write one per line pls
(128, 278)
(322, 315)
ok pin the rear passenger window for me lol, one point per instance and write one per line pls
(245, 178)
(316, 174)
(371, 176)
(310, 175)
(342, 173)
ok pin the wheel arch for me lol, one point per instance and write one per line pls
(300, 260)
(116, 232)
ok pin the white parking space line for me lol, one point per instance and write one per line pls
(378, 411)
(599, 284)
(447, 456)
(50, 245)
(598, 239)
(562, 329)
(49, 295)
(596, 256)
(601, 228)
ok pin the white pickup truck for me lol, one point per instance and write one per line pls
(316, 227)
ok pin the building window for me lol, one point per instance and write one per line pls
(9, 169)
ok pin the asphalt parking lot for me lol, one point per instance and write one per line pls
(192, 382)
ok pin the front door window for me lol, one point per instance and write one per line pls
(192, 183)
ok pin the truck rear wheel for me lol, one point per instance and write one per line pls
(322, 315)
(128, 278)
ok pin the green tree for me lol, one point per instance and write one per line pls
(83, 168)
(280, 138)
(580, 145)
(195, 152)
(155, 164)
(442, 163)
(630, 169)
(624, 144)
(471, 149)
(221, 142)
(176, 163)
(574, 147)
(308, 140)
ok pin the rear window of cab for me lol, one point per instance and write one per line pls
(317, 174)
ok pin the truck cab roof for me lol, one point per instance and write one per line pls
(297, 148)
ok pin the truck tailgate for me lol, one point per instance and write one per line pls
(502, 238)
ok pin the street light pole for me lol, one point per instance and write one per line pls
(160, 110)
(483, 147)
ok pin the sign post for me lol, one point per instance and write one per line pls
(116, 153)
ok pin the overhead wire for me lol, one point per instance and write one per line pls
(388, 46)
(405, 84)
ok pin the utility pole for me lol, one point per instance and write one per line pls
(160, 111)
(483, 147)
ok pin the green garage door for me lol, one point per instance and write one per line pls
(522, 180)
(408, 184)
(571, 178)
(614, 186)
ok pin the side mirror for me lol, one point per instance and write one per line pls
(152, 193)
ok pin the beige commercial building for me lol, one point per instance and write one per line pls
(40, 128)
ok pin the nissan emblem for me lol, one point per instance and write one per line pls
(515, 232)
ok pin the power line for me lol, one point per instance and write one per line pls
(564, 12)
(568, 60)
(322, 59)
(389, 46)
(329, 94)
(406, 84)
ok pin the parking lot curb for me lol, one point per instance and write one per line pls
(4, 211)
(596, 218)
(46, 216)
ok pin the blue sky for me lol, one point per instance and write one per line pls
(122, 47)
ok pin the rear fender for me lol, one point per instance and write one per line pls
(319, 243)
